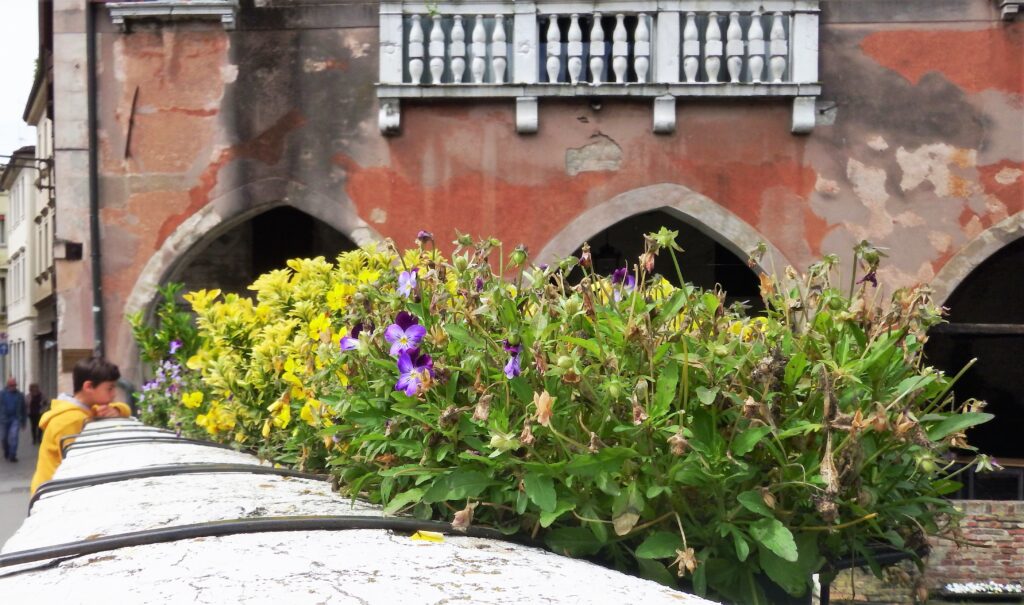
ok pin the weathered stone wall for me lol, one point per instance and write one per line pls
(992, 549)
(920, 147)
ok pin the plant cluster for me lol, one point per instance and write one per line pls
(621, 417)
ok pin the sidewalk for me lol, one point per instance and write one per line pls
(15, 478)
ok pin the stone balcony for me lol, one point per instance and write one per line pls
(660, 49)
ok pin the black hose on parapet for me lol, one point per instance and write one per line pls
(165, 471)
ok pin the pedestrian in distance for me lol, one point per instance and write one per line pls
(37, 404)
(12, 418)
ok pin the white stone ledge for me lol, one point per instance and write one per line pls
(221, 10)
(545, 90)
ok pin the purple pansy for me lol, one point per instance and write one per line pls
(175, 345)
(622, 281)
(870, 278)
(415, 372)
(512, 368)
(479, 284)
(407, 283)
(424, 236)
(405, 333)
(352, 340)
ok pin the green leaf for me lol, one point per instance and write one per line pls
(786, 574)
(547, 518)
(745, 441)
(775, 537)
(458, 486)
(403, 499)
(752, 501)
(671, 307)
(957, 422)
(656, 572)
(608, 460)
(591, 346)
(541, 491)
(665, 391)
(460, 334)
(660, 545)
(626, 509)
(740, 542)
(795, 369)
(573, 541)
(707, 396)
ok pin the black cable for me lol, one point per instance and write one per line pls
(165, 471)
(110, 430)
(245, 526)
(80, 445)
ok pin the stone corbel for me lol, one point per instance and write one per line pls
(804, 113)
(665, 114)
(1010, 8)
(526, 115)
(389, 118)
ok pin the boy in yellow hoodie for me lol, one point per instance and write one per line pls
(95, 383)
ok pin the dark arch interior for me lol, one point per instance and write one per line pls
(234, 260)
(992, 296)
(703, 262)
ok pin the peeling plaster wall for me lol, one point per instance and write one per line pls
(926, 151)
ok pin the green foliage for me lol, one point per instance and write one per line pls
(649, 426)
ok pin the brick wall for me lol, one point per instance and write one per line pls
(999, 526)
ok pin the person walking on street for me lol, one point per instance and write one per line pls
(37, 404)
(12, 418)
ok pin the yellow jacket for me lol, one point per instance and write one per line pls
(64, 418)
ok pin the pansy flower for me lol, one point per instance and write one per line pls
(512, 368)
(407, 283)
(416, 371)
(351, 341)
(175, 345)
(405, 333)
(622, 281)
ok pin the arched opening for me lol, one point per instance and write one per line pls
(986, 321)
(233, 260)
(704, 262)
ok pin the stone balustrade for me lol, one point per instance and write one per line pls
(665, 49)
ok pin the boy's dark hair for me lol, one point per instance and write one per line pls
(95, 370)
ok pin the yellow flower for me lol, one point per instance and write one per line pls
(201, 299)
(192, 400)
(310, 412)
(337, 297)
(319, 326)
(368, 276)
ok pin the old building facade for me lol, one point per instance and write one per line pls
(228, 135)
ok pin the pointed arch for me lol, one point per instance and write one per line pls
(698, 210)
(971, 256)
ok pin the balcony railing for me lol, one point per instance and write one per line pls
(632, 48)
(124, 11)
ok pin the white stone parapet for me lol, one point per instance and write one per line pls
(289, 566)
(702, 48)
(121, 13)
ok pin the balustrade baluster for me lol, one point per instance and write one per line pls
(755, 48)
(641, 48)
(416, 50)
(597, 49)
(575, 49)
(479, 47)
(436, 50)
(691, 48)
(554, 64)
(779, 49)
(620, 49)
(499, 50)
(713, 48)
(734, 48)
(458, 50)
